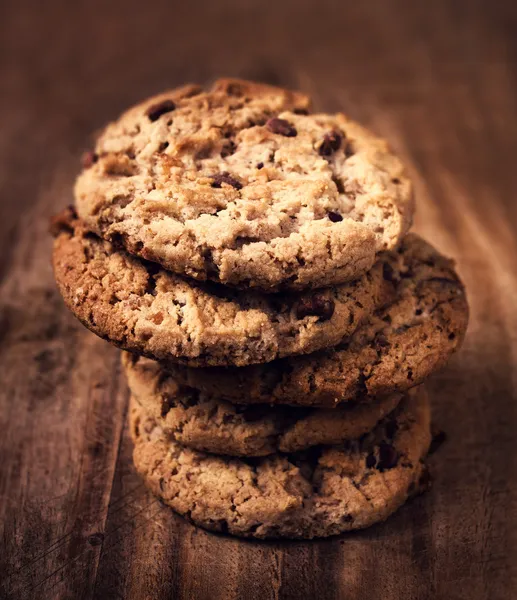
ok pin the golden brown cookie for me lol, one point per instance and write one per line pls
(320, 492)
(395, 349)
(188, 417)
(241, 185)
(139, 306)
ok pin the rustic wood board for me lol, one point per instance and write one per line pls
(439, 80)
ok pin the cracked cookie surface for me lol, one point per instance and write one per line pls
(188, 417)
(397, 348)
(316, 493)
(140, 307)
(239, 184)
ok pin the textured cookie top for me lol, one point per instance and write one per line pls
(320, 492)
(238, 184)
(395, 349)
(141, 307)
(196, 421)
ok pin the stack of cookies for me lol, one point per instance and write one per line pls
(253, 261)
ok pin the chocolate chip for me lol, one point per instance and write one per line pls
(388, 272)
(370, 461)
(88, 159)
(395, 180)
(260, 165)
(281, 126)
(334, 216)
(225, 177)
(388, 457)
(315, 306)
(331, 143)
(163, 146)
(438, 439)
(155, 111)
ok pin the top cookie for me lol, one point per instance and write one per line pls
(238, 184)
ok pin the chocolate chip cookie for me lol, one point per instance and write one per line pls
(139, 306)
(320, 492)
(395, 349)
(188, 417)
(241, 185)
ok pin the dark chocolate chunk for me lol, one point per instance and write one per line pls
(281, 126)
(388, 272)
(331, 143)
(388, 457)
(225, 177)
(334, 216)
(317, 306)
(155, 111)
(371, 460)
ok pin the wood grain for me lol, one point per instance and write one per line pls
(439, 80)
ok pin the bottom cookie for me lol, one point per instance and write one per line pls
(315, 493)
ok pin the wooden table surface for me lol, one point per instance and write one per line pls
(439, 80)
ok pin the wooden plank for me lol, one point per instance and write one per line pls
(439, 80)
(63, 404)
